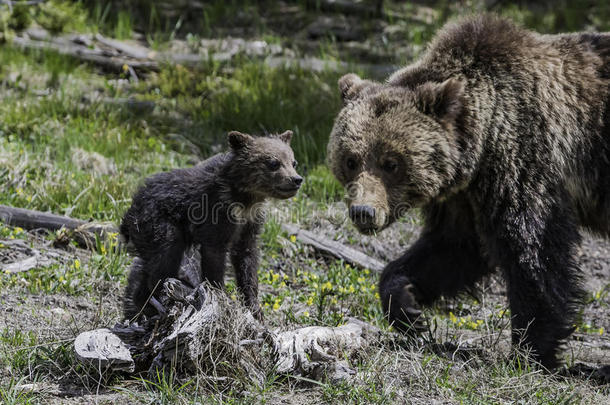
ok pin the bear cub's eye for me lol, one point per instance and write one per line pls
(351, 164)
(273, 165)
(389, 166)
(294, 164)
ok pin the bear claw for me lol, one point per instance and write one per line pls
(404, 313)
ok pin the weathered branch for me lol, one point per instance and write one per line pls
(334, 249)
(89, 55)
(31, 219)
(132, 51)
(83, 232)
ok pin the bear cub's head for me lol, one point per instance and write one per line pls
(394, 147)
(266, 165)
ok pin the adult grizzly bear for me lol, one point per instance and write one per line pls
(502, 137)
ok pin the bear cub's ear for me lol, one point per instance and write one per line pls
(238, 140)
(285, 136)
(443, 101)
(351, 86)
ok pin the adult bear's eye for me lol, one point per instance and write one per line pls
(273, 165)
(389, 166)
(294, 164)
(351, 164)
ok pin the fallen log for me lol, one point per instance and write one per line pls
(334, 249)
(84, 53)
(118, 56)
(84, 233)
(132, 51)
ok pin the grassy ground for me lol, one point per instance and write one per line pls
(71, 145)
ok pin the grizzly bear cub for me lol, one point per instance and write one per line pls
(502, 137)
(215, 206)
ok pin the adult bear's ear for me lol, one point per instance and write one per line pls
(443, 101)
(238, 140)
(351, 86)
(285, 136)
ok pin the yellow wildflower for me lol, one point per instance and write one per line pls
(452, 317)
(77, 264)
(293, 238)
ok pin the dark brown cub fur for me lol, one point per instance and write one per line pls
(216, 206)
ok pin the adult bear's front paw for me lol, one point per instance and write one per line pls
(402, 310)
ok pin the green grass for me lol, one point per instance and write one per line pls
(253, 98)
(41, 135)
(12, 394)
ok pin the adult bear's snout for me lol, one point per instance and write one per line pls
(363, 216)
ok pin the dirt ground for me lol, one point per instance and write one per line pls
(59, 318)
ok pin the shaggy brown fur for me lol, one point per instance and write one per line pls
(502, 136)
(215, 205)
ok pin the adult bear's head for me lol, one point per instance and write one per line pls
(394, 147)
